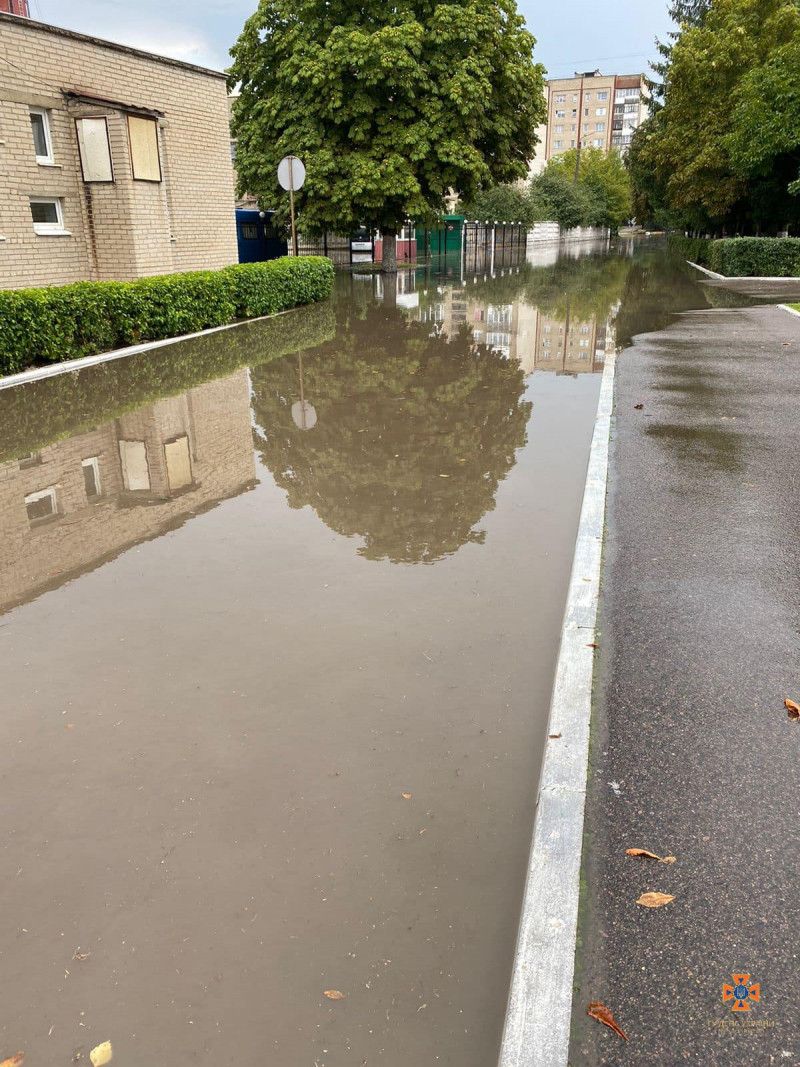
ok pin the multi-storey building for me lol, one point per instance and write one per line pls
(114, 163)
(597, 110)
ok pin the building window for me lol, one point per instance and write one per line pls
(572, 144)
(548, 329)
(559, 129)
(47, 214)
(560, 98)
(91, 477)
(33, 459)
(94, 150)
(558, 144)
(135, 468)
(600, 111)
(560, 114)
(598, 142)
(574, 98)
(42, 505)
(143, 137)
(587, 97)
(602, 96)
(599, 127)
(574, 112)
(626, 94)
(179, 467)
(249, 231)
(586, 112)
(585, 329)
(43, 146)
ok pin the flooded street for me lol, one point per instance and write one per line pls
(279, 613)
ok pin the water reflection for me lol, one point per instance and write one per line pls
(396, 421)
(415, 428)
(74, 504)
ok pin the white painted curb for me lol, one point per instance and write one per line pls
(741, 278)
(52, 369)
(792, 311)
(537, 1024)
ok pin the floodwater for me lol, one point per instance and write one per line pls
(279, 614)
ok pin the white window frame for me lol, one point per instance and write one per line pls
(31, 498)
(600, 111)
(48, 160)
(602, 96)
(93, 462)
(561, 114)
(599, 127)
(558, 144)
(559, 128)
(44, 229)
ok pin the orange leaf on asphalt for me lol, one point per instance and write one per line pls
(406, 796)
(333, 994)
(654, 900)
(605, 1016)
(13, 1061)
(643, 853)
(794, 715)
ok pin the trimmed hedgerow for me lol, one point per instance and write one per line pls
(743, 257)
(67, 322)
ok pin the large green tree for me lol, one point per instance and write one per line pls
(723, 152)
(389, 105)
(604, 175)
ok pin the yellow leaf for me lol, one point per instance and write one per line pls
(654, 900)
(13, 1061)
(102, 1054)
(333, 994)
(406, 796)
(444, 475)
(643, 853)
(791, 707)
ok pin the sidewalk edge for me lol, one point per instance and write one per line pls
(52, 369)
(792, 311)
(537, 1026)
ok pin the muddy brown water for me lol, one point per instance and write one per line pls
(280, 613)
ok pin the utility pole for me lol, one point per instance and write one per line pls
(580, 123)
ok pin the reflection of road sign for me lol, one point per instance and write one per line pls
(741, 993)
(304, 415)
(291, 173)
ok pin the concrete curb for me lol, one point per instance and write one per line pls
(741, 278)
(537, 1027)
(792, 311)
(52, 369)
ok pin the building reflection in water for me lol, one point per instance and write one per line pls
(80, 501)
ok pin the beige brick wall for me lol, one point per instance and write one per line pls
(87, 532)
(125, 229)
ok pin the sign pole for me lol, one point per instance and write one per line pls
(291, 205)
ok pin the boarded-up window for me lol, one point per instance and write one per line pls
(143, 134)
(95, 150)
(135, 471)
(179, 468)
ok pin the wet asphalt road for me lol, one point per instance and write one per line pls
(693, 753)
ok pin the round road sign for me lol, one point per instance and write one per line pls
(291, 173)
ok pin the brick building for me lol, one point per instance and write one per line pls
(602, 110)
(84, 500)
(114, 163)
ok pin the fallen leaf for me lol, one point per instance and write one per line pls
(784, 344)
(13, 1061)
(424, 830)
(794, 715)
(69, 726)
(444, 475)
(421, 1007)
(638, 407)
(406, 796)
(605, 1016)
(333, 994)
(101, 1054)
(654, 900)
(593, 644)
(645, 854)
(554, 737)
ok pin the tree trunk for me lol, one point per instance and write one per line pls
(389, 258)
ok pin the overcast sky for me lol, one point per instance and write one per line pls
(616, 36)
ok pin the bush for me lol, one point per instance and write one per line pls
(70, 321)
(742, 257)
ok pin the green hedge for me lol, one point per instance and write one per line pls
(742, 257)
(70, 321)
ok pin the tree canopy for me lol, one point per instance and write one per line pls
(722, 154)
(388, 105)
(605, 179)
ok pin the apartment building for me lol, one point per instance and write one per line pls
(601, 111)
(115, 163)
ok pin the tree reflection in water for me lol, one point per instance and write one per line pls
(414, 432)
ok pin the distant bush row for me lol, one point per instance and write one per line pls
(742, 257)
(67, 322)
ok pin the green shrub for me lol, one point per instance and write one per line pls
(742, 257)
(70, 321)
